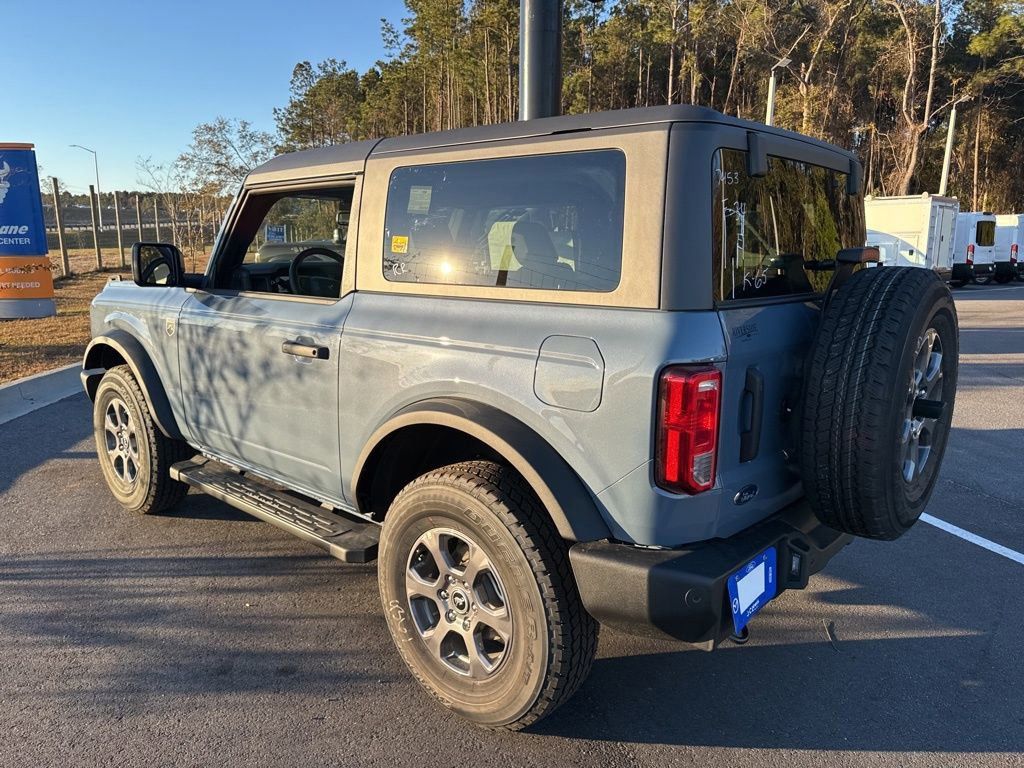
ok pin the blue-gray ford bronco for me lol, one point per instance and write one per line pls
(633, 368)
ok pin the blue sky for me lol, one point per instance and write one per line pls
(132, 79)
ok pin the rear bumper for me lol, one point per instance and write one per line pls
(984, 269)
(682, 593)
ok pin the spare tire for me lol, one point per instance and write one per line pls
(878, 400)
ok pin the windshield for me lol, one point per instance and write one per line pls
(766, 227)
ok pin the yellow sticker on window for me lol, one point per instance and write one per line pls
(399, 244)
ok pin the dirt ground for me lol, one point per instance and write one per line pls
(33, 346)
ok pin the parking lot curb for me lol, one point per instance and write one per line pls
(33, 392)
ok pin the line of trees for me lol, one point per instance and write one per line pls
(878, 76)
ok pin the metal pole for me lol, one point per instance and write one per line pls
(769, 116)
(947, 157)
(95, 231)
(96, 166)
(117, 223)
(138, 217)
(540, 58)
(156, 218)
(65, 264)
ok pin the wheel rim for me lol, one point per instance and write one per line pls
(458, 603)
(920, 428)
(122, 441)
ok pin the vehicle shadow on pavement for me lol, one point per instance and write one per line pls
(146, 626)
(41, 436)
(919, 675)
(199, 506)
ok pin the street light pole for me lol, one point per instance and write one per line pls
(947, 157)
(769, 116)
(96, 165)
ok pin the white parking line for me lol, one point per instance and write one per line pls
(982, 542)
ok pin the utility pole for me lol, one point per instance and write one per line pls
(540, 58)
(947, 157)
(95, 231)
(58, 214)
(117, 223)
(769, 116)
(138, 217)
(96, 165)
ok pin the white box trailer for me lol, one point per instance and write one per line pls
(913, 230)
(1009, 244)
(974, 247)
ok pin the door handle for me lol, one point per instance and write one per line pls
(750, 439)
(299, 349)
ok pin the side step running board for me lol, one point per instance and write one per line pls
(351, 541)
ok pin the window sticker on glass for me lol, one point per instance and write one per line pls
(419, 200)
(400, 244)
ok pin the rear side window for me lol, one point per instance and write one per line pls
(765, 228)
(550, 221)
(985, 233)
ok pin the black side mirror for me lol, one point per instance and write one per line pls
(157, 264)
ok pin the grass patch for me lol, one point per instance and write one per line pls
(33, 346)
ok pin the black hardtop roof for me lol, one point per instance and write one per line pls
(327, 160)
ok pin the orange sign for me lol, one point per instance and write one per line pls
(25, 277)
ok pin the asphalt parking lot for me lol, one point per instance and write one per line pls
(204, 637)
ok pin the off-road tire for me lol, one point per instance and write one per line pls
(857, 391)
(152, 489)
(553, 640)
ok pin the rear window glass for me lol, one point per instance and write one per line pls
(765, 228)
(550, 221)
(985, 233)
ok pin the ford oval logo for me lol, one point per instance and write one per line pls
(745, 494)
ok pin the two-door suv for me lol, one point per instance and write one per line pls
(632, 368)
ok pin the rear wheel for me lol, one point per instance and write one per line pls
(982, 279)
(1002, 279)
(134, 455)
(878, 401)
(480, 598)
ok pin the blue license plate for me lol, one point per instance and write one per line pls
(751, 587)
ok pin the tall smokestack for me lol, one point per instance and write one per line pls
(540, 58)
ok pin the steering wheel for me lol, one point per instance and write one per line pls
(293, 271)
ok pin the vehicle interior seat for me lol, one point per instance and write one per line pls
(534, 249)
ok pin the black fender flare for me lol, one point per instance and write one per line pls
(572, 507)
(130, 349)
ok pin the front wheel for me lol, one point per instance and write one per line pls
(480, 598)
(135, 456)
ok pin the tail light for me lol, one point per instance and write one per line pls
(970, 254)
(1013, 253)
(687, 446)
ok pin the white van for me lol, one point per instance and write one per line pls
(913, 230)
(974, 248)
(1009, 242)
